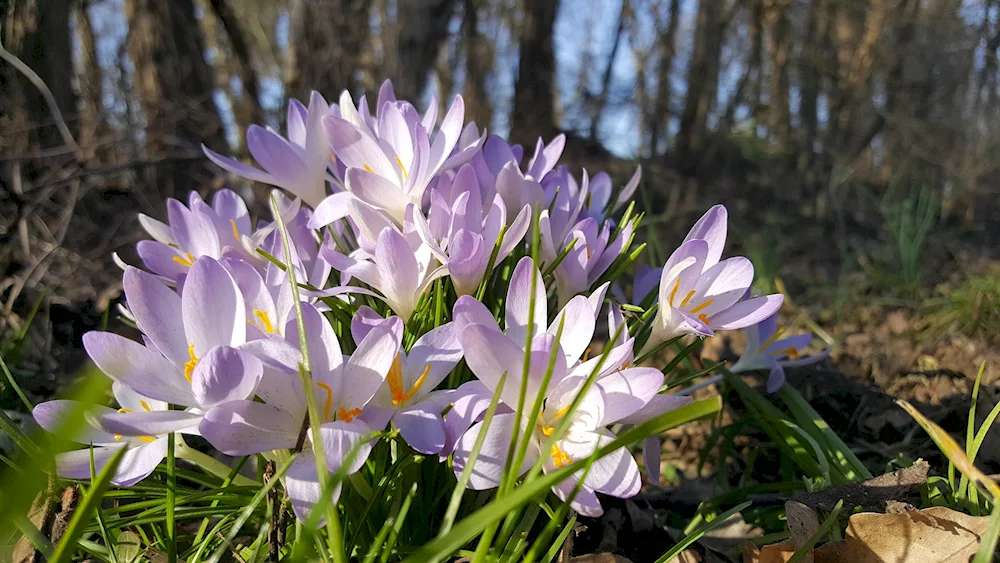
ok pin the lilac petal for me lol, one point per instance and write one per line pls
(385, 93)
(724, 283)
(468, 311)
(377, 191)
(340, 439)
(137, 367)
(395, 131)
(422, 428)
(615, 474)
(317, 151)
(469, 402)
(782, 346)
(656, 406)
(364, 320)
(712, 229)
(213, 308)
(746, 313)
(225, 374)
(376, 417)
(627, 391)
(467, 264)
(489, 354)
(596, 300)
(356, 149)
(646, 279)
(368, 367)
(651, 458)
(492, 461)
(303, 487)
(238, 168)
(629, 190)
(230, 206)
(437, 351)
(275, 354)
(519, 294)
(776, 378)
(152, 423)
(584, 503)
(398, 272)
(447, 135)
(577, 320)
(246, 427)
(160, 231)
(157, 311)
(808, 360)
(515, 233)
(324, 348)
(159, 258)
(692, 252)
(194, 231)
(136, 464)
(282, 160)
(52, 416)
(295, 123)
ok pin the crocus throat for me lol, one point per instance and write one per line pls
(548, 427)
(687, 298)
(190, 364)
(395, 380)
(187, 260)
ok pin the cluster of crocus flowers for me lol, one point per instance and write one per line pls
(443, 264)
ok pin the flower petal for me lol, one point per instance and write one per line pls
(519, 295)
(422, 428)
(225, 374)
(138, 367)
(245, 427)
(213, 307)
(492, 460)
(627, 391)
(157, 311)
(152, 423)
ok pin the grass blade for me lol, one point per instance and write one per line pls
(95, 494)
(697, 534)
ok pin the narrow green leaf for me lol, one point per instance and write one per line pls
(823, 530)
(697, 534)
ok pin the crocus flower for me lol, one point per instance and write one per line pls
(191, 357)
(590, 256)
(766, 350)
(390, 166)
(408, 398)
(461, 231)
(342, 386)
(561, 208)
(612, 398)
(144, 452)
(401, 269)
(699, 294)
(299, 163)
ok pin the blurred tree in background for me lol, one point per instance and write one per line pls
(786, 99)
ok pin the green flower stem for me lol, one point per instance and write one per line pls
(209, 463)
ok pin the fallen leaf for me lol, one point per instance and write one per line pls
(688, 556)
(803, 524)
(730, 534)
(774, 553)
(936, 534)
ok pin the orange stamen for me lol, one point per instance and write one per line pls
(187, 260)
(559, 457)
(702, 306)
(329, 399)
(673, 292)
(348, 415)
(190, 364)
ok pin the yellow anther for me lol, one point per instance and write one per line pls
(190, 364)
(329, 399)
(347, 415)
(791, 352)
(687, 298)
(773, 338)
(673, 292)
(236, 232)
(145, 405)
(403, 168)
(395, 379)
(368, 168)
(147, 439)
(265, 321)
(118, 437)
(559, 457)
(702, 306)
(703, 318)
(124, 411)
(187, 260)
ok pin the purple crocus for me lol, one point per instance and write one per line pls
(590, 256)
(343, 387)
(191, 357)
(490, 354)
(299, 163)
(144, 453)
(461, 229)
(598, 202)
(766, 350)
(408, 398)
(401, 269)
(391, 164)
(699, 294)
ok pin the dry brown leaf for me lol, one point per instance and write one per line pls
(803, 524)
(936, 534)
(730, 534)
(688, 556)
(774, 553)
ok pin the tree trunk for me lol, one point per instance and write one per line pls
(702, 81)
(250, 109)
(175, 90)
(534, 93)
(661, 106)
(422, 28)
(780, 122)
(327, 39)
(90, 77)
(478, 66)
